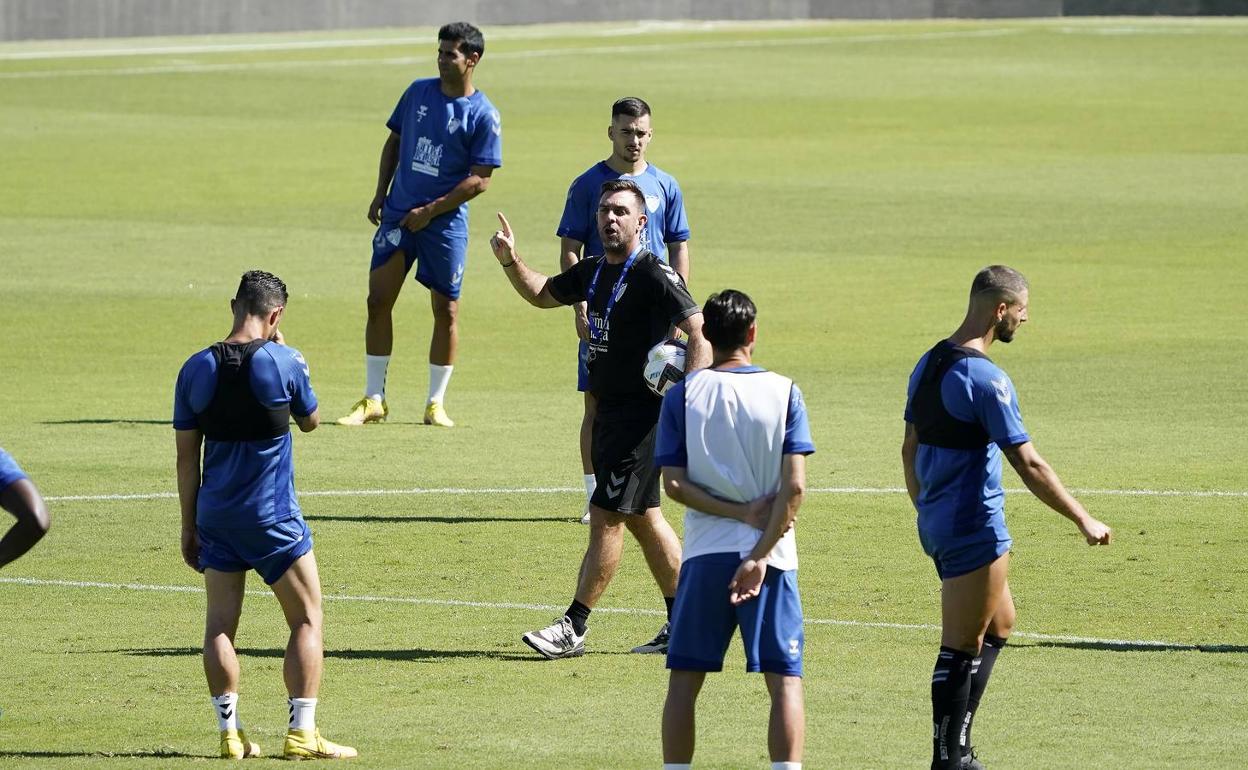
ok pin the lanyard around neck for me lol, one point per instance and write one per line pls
(596, 334)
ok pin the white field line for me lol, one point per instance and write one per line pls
(35, 582)
(506, 55)
(1197, 493)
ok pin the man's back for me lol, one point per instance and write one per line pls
(735, 426)
(245, 483)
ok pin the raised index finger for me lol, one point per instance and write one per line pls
(506, 224)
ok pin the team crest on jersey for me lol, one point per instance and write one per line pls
(620, 291)
(453, 125)
(652, 203)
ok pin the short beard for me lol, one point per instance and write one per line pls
(1003, 331)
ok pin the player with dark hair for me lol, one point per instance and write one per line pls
(666, 232)
(961, 415)
(234, 400)
(445, 142)
(633, 299)
(732, 442)
(19, 497)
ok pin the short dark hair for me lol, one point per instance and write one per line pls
(1001, 283)
(469, 38)
(727, 318)
(624, 185)
(259, 293)
(630, 106)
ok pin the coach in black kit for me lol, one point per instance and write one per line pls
(634, 299)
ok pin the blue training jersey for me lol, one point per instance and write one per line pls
(960, 490)
(440, 138)
(10, 471)
(246, 483)
(665, 209)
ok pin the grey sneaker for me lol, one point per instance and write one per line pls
(557, 640)
(657, 645)
(970, 761)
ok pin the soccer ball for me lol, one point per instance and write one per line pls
(665, 365)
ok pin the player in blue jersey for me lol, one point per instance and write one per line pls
(961, 415)
(445, 142)
(19, 497)
(666, 232)
(234, 401)
(732, 442)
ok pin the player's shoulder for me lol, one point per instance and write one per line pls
(982, 370)
(284, 357)
(200, 361)
(594, 176)
(661, 176)
(481, 101)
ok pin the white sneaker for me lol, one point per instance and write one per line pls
(656, 645)
(585, 516)
(557, 640)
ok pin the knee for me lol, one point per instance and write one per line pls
(308, 622)
(379, 303)
(446, 313)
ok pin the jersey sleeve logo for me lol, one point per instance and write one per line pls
(671, 274)
(1002, 387)
(496, 123)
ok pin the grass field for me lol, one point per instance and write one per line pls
(851, 177)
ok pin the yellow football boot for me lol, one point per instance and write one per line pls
(436, 415)
(366, 410)
(236, 745)
(308, 744)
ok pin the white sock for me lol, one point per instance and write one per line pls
(786, 766)
(302, 713)
(226, 708)
(375, 375)
(439, 376)
(677, 765)
(591, 483)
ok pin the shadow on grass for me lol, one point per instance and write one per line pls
(1125, 646)
(435, 519)
(140, 754)
(416, 654)
(106, 421)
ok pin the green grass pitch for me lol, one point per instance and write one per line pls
(850, 176)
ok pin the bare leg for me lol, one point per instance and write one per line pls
(299, 593)
(225, 606)
(1002, 623)
(445, 341)
(602, 557)
(786, 731)
(678, 715)
(969, 602)
(384, 285)
(661, 548)
(587, 433)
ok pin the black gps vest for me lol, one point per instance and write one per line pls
(235, 413)
(935, 426)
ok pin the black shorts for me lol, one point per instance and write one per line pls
(623, 453)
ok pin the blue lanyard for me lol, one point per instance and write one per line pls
(595, 334)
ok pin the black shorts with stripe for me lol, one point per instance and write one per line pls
(622, 448)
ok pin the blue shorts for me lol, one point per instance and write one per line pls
(955, 556)
(582, 366)
(268, 550)
(438, 251)
(703, 619)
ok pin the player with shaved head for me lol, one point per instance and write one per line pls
(961, 415)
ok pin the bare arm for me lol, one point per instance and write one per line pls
(22, 499)
(569, 254)
(1043, 482)
(385, 172)
(698, 351)
(529, 284)
(189, 443)
(309, 423)
(678, 258)
(678, 487)
(469, 187)
(909, 450)
(748, 580)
